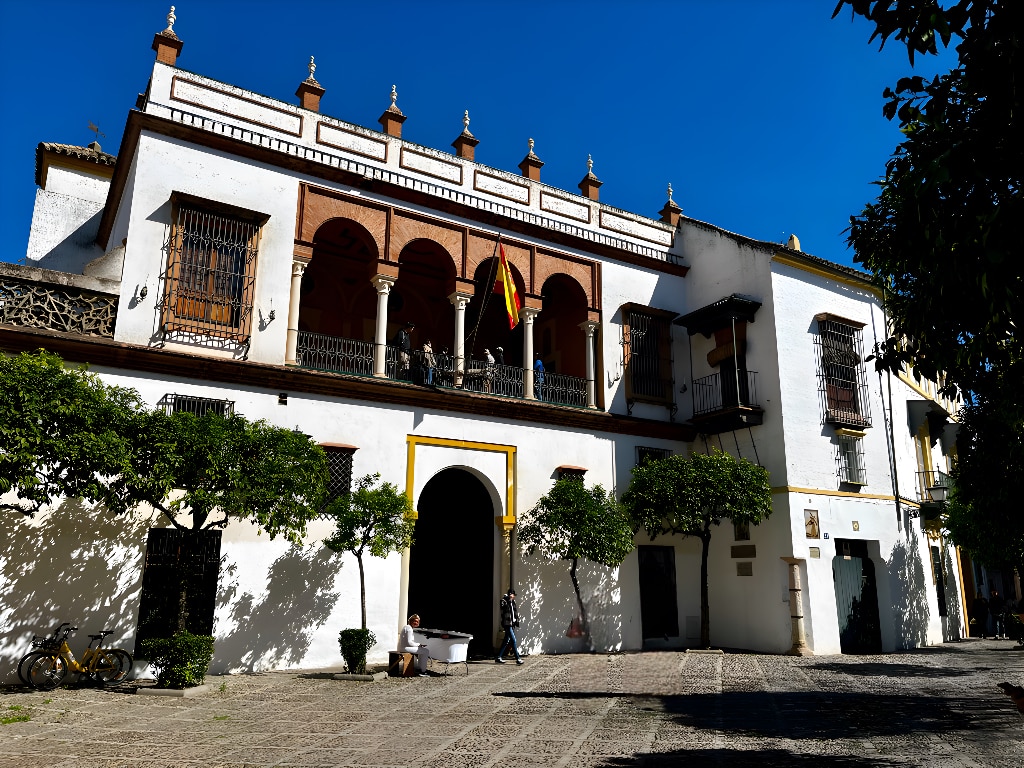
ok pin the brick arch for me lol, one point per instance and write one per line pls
(481, 248)
(405, 229)
(317, 207)
(580, 272)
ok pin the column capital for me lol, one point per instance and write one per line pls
(299, 267)
(460, 299)
(383, 283)
(589, 326)
(527, 314)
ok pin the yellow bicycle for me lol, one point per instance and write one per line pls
(45, 669)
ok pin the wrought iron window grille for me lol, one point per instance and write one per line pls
(646, 339)
(645, 454)
(842, 378)
(339, 475)
(850, 460)
(199, 406)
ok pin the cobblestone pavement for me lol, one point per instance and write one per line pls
(938, 707)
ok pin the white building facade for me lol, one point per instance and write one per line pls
(258, 256)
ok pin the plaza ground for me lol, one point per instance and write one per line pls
(938, 707)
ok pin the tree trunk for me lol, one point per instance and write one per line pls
(362, 587)
(579, 601)
(705, 613)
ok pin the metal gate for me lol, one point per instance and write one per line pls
(179, 583)
(856, 598)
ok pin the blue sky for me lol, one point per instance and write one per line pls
(764, 116)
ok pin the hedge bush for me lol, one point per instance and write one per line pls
(181, 661)
(354, 645)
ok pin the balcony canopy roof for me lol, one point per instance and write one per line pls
(709, 319)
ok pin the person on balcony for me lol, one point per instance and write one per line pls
(429, 363)
(538, 378)
(499, 360)
(403, 342)
(488, 371)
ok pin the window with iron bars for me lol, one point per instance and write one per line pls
(200, 406)
(647, 354)
(842, 379)
(645, 454)
(850, 460)
(339, 472)
(211, 270)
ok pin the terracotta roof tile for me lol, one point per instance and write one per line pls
(89, 153)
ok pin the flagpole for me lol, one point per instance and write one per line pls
(487, 295)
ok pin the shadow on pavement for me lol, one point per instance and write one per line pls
(867, 669)
(734, 758)
(814, 715)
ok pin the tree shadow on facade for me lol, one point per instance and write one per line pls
(910, 610)
(75, 564)
(275, 627)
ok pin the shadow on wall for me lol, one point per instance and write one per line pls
(548, 606)
(275, 628)
(75, 563)
(954, 625)
(910, 610)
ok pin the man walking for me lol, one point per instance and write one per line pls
(509, 621)
(995, 607)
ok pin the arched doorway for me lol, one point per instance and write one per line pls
(452, 559)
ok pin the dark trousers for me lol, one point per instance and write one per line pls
(510, 642)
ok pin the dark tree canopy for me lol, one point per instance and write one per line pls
(944, 240)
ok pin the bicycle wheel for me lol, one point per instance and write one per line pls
(112, 666)
(26, 662)
(46, 671)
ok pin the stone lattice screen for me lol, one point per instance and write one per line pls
(57, 308)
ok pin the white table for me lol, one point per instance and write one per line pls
(445, 646)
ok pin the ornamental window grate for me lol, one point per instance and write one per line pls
(850, 460)
(339, 473)
(210, 280)
(645, 454)
(199, 406)
(842, 379)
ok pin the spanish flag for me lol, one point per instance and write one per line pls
(506, 284)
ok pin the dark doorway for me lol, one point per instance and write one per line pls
(451, 562)
(180, 577)
(853, 572)
(659, 614)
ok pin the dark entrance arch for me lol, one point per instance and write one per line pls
(856, 598)
(451, 562)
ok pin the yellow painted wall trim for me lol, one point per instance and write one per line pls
(822, 492)
(945, 404)
(821, 271)
(443, 442)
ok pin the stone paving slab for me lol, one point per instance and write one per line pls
(938, 707)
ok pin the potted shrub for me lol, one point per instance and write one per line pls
(181, 661)
(354, 645)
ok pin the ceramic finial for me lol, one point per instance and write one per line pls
(590, 164)
(394, 95)
(170, 21)
(465, 121)
(670, 192)
(531, 146)
(312, 69)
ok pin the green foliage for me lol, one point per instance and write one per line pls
(227, 466)
(572, 522)
(375, 519)
(354, 645)
(181, 661)
(983, 513)
(63, 434)
(686, 496)
(945, 242)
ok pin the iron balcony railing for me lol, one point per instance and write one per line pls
(717, 392)
(331, 353)
(338, 355)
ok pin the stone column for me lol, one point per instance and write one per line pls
(589, 327)
(383, 284)
(459, 300)
(291, 345)
(527, 316)
(796, 609)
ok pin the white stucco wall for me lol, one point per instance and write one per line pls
(65, 219)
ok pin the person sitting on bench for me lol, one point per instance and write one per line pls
(407, 644)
